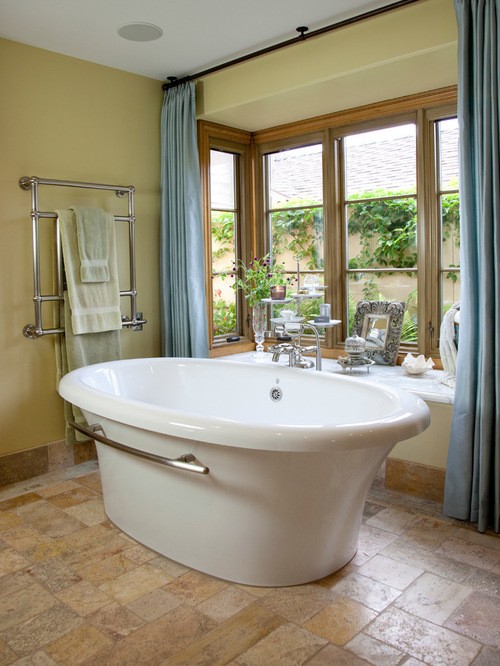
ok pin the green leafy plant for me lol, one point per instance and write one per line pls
(389, 224)
(299, 230)
(256, 279)
(224, 316)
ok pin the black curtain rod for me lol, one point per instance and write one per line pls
(173, 81)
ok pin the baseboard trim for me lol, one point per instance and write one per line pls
(51, 457)
(415, 479)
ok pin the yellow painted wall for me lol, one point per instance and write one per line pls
(64, 118)
(431, 446)
(405, 51)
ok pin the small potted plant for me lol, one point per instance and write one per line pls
(255, 281)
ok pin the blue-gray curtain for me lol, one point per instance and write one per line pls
(182, 256)
(472, 490)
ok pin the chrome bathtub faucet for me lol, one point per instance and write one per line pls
(295, 350)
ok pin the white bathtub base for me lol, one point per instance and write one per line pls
(256, 519)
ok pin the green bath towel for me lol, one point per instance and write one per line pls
(93, 244)
(95, 306)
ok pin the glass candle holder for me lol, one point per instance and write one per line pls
(278, 292)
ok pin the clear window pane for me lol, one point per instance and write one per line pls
(382, 233)
(222, 178)
(224, 306)
(450, 290)
(296, 177)
(298, 232)
(223, 240)
(386, 287)
(381, 162)
(448, 153)
(224, 220)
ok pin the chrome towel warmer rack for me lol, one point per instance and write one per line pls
(36, 330)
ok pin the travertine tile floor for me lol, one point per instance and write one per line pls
(75, 590)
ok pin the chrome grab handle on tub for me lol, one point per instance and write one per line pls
(184, 462)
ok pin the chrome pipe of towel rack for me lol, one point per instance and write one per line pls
(26, 183)
(184, 462)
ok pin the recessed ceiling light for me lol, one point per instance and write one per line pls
(140, 32)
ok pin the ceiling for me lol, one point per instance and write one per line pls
(197, 34)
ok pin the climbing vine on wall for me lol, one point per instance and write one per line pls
(383, 221)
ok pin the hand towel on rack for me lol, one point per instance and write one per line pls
(95, 306)
(93, 245)
(77, 351)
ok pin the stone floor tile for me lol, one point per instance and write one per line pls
(330, 580)
(194, 587)
(10, 561)
(72, 497)
(393, 520)
(115, 620)
(479, 618)
(371, 541)
(19, 500)
(485, 581)
(374, 651)
(170, 567)
(432, 598)
(20, 606)
(157, 641)
(226, 641)
(298, 604)
(367, 591)
(14, 581)
(135, 583)
(78, 645)
(487, 657)
(33, 634)
(108, 568)
(335, 656)
(471, 553)
(390, 572)
(83, 597)
(429, 561)
(92, 551)
(53, 547)
(423, 640)
(57, 488)
(40, 658)
(91, 480)
(25, 538)
(89, 513)
(340, 621)
(226, 603)
(7, 656)
(487, 539)
(140, 554)
(153, 605)
(54, 574)
(8, 520)
(288, 645)
(49, 519)
(428, 533)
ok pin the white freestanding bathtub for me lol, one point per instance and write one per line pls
(275, 463)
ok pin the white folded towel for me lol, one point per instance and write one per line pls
(447, 346)
(95, 306)
(93, 244)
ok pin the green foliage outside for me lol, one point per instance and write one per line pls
(385, 223)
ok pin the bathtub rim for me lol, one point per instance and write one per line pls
(411, 419)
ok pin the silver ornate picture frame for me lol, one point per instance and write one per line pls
(380, 324)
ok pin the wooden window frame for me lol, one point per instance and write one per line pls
(424, 109)
(212, 136)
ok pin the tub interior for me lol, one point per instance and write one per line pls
(243, 392)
